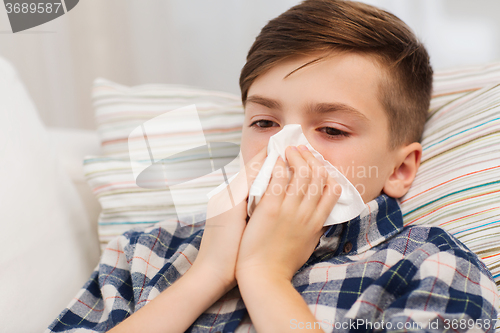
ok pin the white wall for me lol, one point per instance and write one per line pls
(199, 42)
(456, 32)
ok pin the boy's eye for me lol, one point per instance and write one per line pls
(333, 132)
(264, 123)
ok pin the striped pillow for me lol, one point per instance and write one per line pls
(458, 185)
(118, 111)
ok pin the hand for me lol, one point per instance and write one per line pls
(225, 224)
(288, 221)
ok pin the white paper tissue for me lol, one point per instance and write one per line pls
(350, 203)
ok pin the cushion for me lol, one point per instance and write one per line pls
(119, 110)
(455, 187)
(47, 245)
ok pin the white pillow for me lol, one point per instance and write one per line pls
(47, 246)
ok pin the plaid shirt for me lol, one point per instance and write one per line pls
(368, 274)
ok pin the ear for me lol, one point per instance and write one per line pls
(407, 163)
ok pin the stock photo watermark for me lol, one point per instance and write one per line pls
(459, 325)
(26, 14)
(311, 189)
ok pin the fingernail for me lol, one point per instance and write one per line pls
(294, 148)
(302, 147)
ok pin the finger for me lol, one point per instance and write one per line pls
(301, 177)
(318, 180)
(313, 162)
(331, 194)
(275, 192)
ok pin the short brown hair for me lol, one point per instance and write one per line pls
(337, 25)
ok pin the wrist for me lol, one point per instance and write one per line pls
(261, 278)
(211, 278)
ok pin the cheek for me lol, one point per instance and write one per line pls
(359, 166)
(345, 159)
(251, 144)
(363, 161)
(245, 147)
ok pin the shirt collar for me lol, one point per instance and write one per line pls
(380, 220)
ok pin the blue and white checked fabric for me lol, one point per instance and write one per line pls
(368, 274)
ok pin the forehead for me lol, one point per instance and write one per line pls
(329, 59)
(350, 79)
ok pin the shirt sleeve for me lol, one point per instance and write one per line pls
(105, 299)
(133, 269)
(450, 290)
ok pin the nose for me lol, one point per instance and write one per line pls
(297, 129)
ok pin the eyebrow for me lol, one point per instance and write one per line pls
(319, 108)
(267, 102)
(323, 108)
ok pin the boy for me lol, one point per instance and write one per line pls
(359, 83)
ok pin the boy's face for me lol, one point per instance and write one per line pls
(336, 101)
